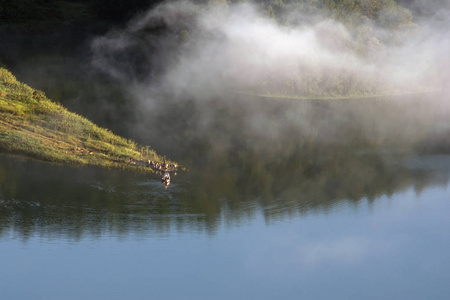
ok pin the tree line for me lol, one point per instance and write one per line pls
(120, 10)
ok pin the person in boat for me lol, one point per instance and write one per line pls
(166, 179)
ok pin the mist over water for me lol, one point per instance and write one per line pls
(194, 73)
(204, 51)
(285, 195)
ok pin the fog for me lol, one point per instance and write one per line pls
(186, 65)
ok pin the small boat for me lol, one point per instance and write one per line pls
(166, 179)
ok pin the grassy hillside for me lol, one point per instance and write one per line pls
(32, 125)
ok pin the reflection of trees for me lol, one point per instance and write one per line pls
(311, 182)
(278, 157)
(54, 200)
(57, 201)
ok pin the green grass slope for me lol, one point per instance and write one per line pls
(32, 125)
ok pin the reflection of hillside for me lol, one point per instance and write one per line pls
(57, 201)
(247, 157)
(53, 200)
(308, 182)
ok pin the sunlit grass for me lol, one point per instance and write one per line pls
(32, 125)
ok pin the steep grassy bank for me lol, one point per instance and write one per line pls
(32, 125)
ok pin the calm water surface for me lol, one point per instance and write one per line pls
(95, 234)
(293, 203)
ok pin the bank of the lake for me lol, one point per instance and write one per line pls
(34, 126)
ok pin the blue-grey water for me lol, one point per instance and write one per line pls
(284, 200)
(101, 234)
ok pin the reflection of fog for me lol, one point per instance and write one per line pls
(55, 201)
(301, 253)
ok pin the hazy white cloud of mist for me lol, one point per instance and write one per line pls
(241, 49)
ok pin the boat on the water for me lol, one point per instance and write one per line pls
(166, 179)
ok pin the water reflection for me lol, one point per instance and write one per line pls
(55, 201)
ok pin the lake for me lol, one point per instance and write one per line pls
(375, 226)
(284, 199)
